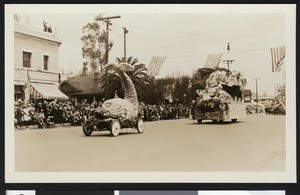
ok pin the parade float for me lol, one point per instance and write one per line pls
(254, 108)
(117, 113)
(278, 106)
(222, 98)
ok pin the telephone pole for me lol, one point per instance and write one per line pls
(125, 32)
(107, 20)
(256, 93)
(228, 62)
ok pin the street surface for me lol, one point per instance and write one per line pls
(256, 143)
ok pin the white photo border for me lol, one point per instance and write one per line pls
(288, 176)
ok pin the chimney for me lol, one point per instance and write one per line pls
(96, 80)
(84, 68)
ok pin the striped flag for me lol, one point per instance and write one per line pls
(278, 55)
(213, 60)
(155, 65)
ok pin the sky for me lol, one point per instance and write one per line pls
(186, 39)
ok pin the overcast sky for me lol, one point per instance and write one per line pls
(186, 40)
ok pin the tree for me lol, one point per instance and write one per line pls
(181, 90)
(163, 89)
(143, 83)
(94, 38)
(129, 60)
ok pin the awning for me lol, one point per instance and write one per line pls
(49, 91)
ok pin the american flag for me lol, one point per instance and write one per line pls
(155, 65)
(278, 56)
(213, 60)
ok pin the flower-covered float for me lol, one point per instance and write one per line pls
(278, 106)
(221, 99)
(117, 113)
(255, 107)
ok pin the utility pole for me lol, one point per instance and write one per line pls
(228, 62)
(256, 93)
(125, 32)
(107, 21)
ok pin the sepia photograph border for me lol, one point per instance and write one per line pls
(288, 176)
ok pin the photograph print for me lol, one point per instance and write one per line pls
(150, 93)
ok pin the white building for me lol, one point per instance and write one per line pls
(36, 68)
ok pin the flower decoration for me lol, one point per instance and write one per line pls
(215, 97)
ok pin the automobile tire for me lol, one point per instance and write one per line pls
(140, 126)
(87, 128)
(234, 120)
(115, 128)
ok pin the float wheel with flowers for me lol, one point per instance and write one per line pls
(116, 114)
(222, 98)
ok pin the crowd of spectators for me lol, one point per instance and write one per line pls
(46, 114)
(164, 111)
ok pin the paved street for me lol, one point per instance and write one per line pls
(257, 143)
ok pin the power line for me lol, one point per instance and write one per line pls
(205, 54)
(200, 24)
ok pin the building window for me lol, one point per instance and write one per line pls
(46, 59)
(26, 59)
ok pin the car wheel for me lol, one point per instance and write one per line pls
(87, 128)
(115, 128)
(140, 125)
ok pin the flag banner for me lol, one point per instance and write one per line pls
(278, 55)
(155, 65)
(152, 64)
(213, 60)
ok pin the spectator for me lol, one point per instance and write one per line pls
(49, 113)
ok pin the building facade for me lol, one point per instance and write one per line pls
(36, 68)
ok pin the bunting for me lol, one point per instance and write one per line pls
(278, 56)
(155, 65)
